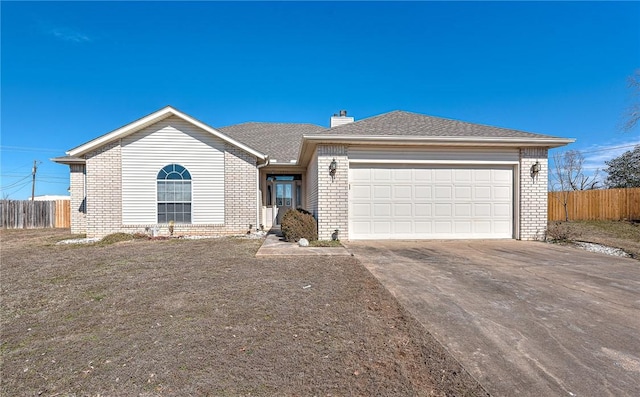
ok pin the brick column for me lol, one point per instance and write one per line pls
(104, 190)
(240, 197)
(78, 203)
(533, 194)
(333, 193)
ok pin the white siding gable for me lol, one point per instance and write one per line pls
(169, 141)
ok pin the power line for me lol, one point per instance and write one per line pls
(14, 188)
(53, 182)
(50, 176)
(20, 167)
(16, 182)
(29, 149)
(609, 148)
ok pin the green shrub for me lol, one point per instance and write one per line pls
(297, 224)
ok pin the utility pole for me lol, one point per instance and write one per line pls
(33, 182)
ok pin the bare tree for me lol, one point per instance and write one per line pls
(568, 175)
(633, 112)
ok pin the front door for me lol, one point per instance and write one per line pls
(284, 199)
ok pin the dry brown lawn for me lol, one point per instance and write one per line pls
(618, 234)
(205, 317)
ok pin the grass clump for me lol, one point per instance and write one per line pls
(297, 224)
(325, 243)
(560, 232)
(116, 238)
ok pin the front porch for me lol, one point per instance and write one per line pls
(280, 191)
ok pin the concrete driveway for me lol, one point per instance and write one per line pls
(524, 318)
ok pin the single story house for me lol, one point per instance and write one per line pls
(399, 175)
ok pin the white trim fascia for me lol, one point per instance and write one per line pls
(464, 162)
(68, 160)
(455, 140)
(310, 141)
(154, 118)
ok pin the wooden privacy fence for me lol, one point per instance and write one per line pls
(27, 214)
(609, 204)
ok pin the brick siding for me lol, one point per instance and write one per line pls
(104, 190)
(240, 191)
(78, 204)
(333, 193)
(533, 194)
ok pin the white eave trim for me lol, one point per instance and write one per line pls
(68, 160)
(405, 161)
(448, 140)
(309, 142)
(154, 118)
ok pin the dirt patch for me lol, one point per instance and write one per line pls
(205, 317)
(617, 234)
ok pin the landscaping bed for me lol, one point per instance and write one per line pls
(623, 235)
(205, 317)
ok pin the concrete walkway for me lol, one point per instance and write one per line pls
(273, 245)
(524, 318)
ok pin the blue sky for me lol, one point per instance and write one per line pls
(71, 71)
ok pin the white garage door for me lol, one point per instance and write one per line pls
(431, 202)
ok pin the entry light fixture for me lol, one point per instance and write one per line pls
(535, 169)
(333, 167)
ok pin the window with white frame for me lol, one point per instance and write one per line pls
(174, 194)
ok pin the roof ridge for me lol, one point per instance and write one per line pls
(269, 123)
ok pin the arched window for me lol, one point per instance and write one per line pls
(174, 194)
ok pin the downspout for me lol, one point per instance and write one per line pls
(258, 195)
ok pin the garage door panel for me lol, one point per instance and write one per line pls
(382, 227)
(381, 192)
(482, 192)
(381, 210)
(381, 175)
(501, 210)
(402, 192)
(482, 227)
(481, 210)
(402, 209)
(401, 174)
(360, 175)
(402, 227)
(360, 228)
(501, 192)
(462, 227)
(462, 210)
(422, 228)
(462, 193)
(443, 192)
(422, 209)
(423, 192)
(502, 176)
(443, 175)
(442, 210)
(361, 192)
(443, 227)
(430, 202)
(482, 175)
(503, 227)
(422, 175)
(361, 210)
(462, 175)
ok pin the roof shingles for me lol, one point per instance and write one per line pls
(401, 123)
(281, 141)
